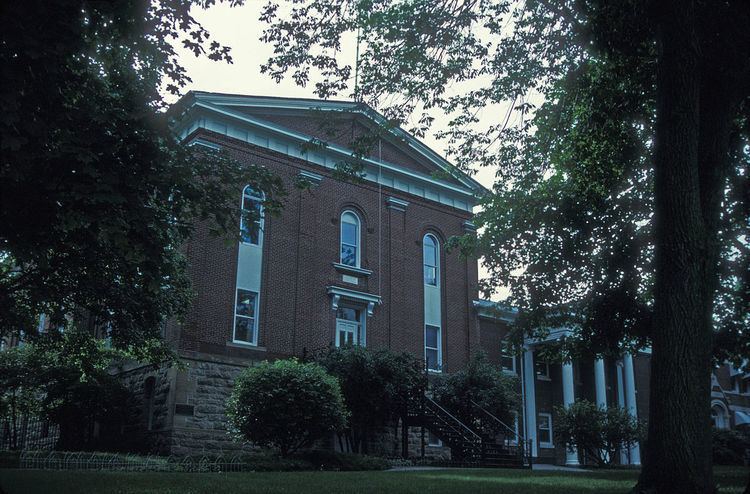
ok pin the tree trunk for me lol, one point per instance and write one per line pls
(677, 458)
(699, 88)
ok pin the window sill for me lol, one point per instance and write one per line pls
(243, 344)
(433, 371)
(547, 445)
(543, 378)
(352, 270)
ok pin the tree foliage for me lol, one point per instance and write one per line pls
(620, 208)
(286, 404)
(66, 380)
(600, 433)
(97, 194)
(479, 383)
(378, 386)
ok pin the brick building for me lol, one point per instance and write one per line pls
(345, 262)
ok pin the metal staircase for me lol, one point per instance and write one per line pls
(482, 446)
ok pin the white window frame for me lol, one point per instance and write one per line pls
(505, 354)
(357, 237)
(360, 335)
(437, 444)
(547, 376)
(253, 195)
(439, 348)
(725, 423)
(436, 267)
(254, 342)
(548, 420)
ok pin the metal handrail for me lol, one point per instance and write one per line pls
(486, 412)
(471, 432)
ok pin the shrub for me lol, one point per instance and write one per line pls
(286, 404)
(730, 446)
(482, 383)
(378, 385)
(599, 433)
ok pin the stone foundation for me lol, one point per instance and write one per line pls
(188, 412)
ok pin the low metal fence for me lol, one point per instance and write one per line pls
(59, 460)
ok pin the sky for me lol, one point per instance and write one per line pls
(239, 28)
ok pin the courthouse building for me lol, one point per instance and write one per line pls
(361, 262)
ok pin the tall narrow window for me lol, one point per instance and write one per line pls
(433, 347)
(245, 328)
(350, 239)
(251, 223)
(431, 258)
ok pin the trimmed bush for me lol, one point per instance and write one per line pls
(599, 433)
(286, 405)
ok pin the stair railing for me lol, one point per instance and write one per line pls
(467, 435)
(524, 448)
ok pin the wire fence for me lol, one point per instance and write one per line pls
(60, 460)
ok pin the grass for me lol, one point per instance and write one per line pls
(731, 481)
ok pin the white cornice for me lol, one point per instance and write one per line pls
(276, 103)
(259, 132)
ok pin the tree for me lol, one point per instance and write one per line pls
(479, 383)
(97, 194)
(66, 380)
(600, 433)
(286, 404)
(378, 386)
(621, 203)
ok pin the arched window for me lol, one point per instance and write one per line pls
(719, 415)
(350, 239)
(431, 258)
(251, 222)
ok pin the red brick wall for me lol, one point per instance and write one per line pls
(299, 248)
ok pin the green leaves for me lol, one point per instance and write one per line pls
(286, 404)
(98, 196)
(600, 433)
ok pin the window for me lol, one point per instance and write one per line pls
(542, 370)
(349, 327)
(431, 260)
(350, 239)
(433, 440)
(507, 360)
(545, 430)
(251, 222)
(245, 330)
(719, 416)
(432, 352)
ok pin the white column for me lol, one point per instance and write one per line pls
(571, 457)
(600, 387)
(621, 403)
(627, 361)
(600, 383)
(529, 381)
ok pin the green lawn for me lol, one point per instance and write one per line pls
(732, 480)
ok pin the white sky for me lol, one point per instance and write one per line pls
(239, 28)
